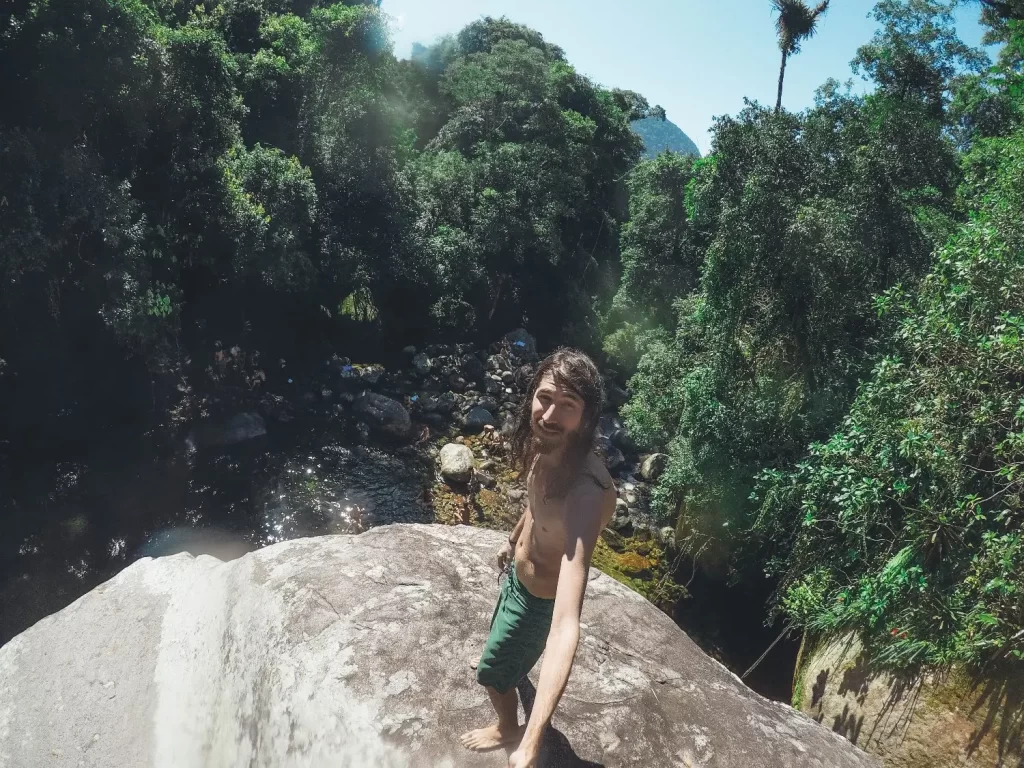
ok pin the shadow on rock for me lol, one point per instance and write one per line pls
(1002, 696)
(555, 750)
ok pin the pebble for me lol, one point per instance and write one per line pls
(516, 494)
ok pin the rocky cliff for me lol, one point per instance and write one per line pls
(934, 719)
(355, 651)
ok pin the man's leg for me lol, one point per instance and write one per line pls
(506, 731)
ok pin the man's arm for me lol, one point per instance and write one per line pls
(513, 537)
(583, 514)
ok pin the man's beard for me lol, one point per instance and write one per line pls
(546, 442)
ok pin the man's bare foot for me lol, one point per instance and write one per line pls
(492, 737)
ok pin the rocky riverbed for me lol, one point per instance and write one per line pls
(340, 449)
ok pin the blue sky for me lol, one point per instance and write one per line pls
(697, 58)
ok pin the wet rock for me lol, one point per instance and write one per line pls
(620, 439)
(409, 351)
(473, 368)
(652, 467)
(496, 363)
(487, 403)
(478, 418)
(609, 423)
(386, 416)
(326, 395)
(456, 463)
(435, 421)
(487, 464)
(612, 456)
(361, 375)
(493, 386)
(421, 363)
(524, 377)
(621, 521)
(507, 378)
(486, 480)
(521, 343)
(615, 396)
(238, 429)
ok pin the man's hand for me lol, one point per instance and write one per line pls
(522, 758)
(504, 555)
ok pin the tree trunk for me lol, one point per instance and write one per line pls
(782, 77)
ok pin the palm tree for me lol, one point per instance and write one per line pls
(795, 23)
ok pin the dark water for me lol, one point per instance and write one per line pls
(73, 521)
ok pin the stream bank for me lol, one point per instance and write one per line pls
(340, 449)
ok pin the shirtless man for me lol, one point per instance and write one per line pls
(571, 498)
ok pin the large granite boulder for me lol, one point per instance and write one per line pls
(456, 463)
(237, 429)
(934, 719)
(354, 651)
(386, 416)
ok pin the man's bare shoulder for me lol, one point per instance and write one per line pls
(594, 489)
(599, 473)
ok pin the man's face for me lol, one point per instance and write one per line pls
(556, 414)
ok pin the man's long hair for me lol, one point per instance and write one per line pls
(576, 372)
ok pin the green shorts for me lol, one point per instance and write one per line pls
(519, 631)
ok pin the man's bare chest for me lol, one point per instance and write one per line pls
(548, 519)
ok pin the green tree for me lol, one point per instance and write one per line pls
(797, 222)
(519, 190)
(796, 22)
(660, 260)
(905, 526)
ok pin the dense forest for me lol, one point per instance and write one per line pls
(821, 322)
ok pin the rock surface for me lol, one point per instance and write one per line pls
(353, 651)
(456, 463)
(237, 429)
(923, 721)
(652, 466)
(478, 418)
(386, 416)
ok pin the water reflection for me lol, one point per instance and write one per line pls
(72, 524)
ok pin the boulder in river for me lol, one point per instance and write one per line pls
(652, 466)
(421, 363)
(237, 429)
(386, 416)
(352, 651)
(521, 343)
(478, 418)
(612, 456)
(615, 396)
(456, 463)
